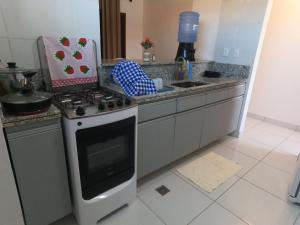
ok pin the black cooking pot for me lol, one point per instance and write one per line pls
(26, 101)
(22, 103)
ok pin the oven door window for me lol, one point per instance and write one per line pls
(106, 156)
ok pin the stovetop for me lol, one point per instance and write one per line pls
(91, 102)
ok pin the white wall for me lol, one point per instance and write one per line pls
(10, 209)
(223, 23)
(277, 86)
(239, 28)
(22, 21)
(134, 27)
(161, 19)
(209, 24)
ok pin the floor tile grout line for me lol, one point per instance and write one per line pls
(256, 164)
(250, 169)
(259, 162)
(215, 201)
(193, 185)
(255, 185)
(269, 165)
(232, 213)
(272, 151)
(239, 178)
(284, 138)
(161, 175)
(194, 218)
(262, 159)
(252, 140)
(243, 153)
(154, 213)
(273, 167)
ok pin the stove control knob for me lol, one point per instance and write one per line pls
(80, 111)
(101, 106)
(127, 101)
(110, 105)
(120, 102)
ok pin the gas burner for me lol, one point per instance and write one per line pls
(91, 102)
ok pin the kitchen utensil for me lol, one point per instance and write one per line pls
(26, 101)
(11, 78)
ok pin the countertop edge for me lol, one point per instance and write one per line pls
(16, 121)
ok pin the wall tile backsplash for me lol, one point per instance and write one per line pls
(3, 32)
(5, 53)
(22, 22)
(166, 72)
(21, 49)
(231, 70)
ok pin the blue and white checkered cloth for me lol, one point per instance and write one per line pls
(133, 79)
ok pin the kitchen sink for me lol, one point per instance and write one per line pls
(166, 89)
(189, 84)
(200, 83)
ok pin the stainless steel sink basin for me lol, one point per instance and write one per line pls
(166, 89)
(189, 84)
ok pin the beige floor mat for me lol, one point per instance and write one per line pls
(209, 171)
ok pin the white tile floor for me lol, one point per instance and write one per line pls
(256, 196)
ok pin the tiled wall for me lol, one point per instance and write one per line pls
(23, 21)
(10, 209)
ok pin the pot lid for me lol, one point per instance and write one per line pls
(25, 98)
(11, 69)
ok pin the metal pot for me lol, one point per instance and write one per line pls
(26, 101)
(11, 78)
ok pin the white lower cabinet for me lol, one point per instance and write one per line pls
(10, 208)
(188, 131)
(155, 144)
(220, 119)
(174, 132)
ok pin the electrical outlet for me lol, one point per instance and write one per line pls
(236, 52)
(226, 52)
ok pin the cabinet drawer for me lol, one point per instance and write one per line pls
(236, 91)
(217, 96)
(190, 102)
(157, 109)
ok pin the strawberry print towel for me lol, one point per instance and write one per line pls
(71, 61)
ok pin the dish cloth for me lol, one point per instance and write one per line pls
(71, 61)
(209, 171)
(133, 80)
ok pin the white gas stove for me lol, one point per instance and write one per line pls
(100, 128)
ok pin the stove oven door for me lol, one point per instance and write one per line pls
(106, 156)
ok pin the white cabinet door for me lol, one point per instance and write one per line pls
(10, 209)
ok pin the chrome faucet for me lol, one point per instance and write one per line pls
(181, 72)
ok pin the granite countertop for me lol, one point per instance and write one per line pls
(54, 112)
(215, 83)
(112, 62)
(13, 121)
